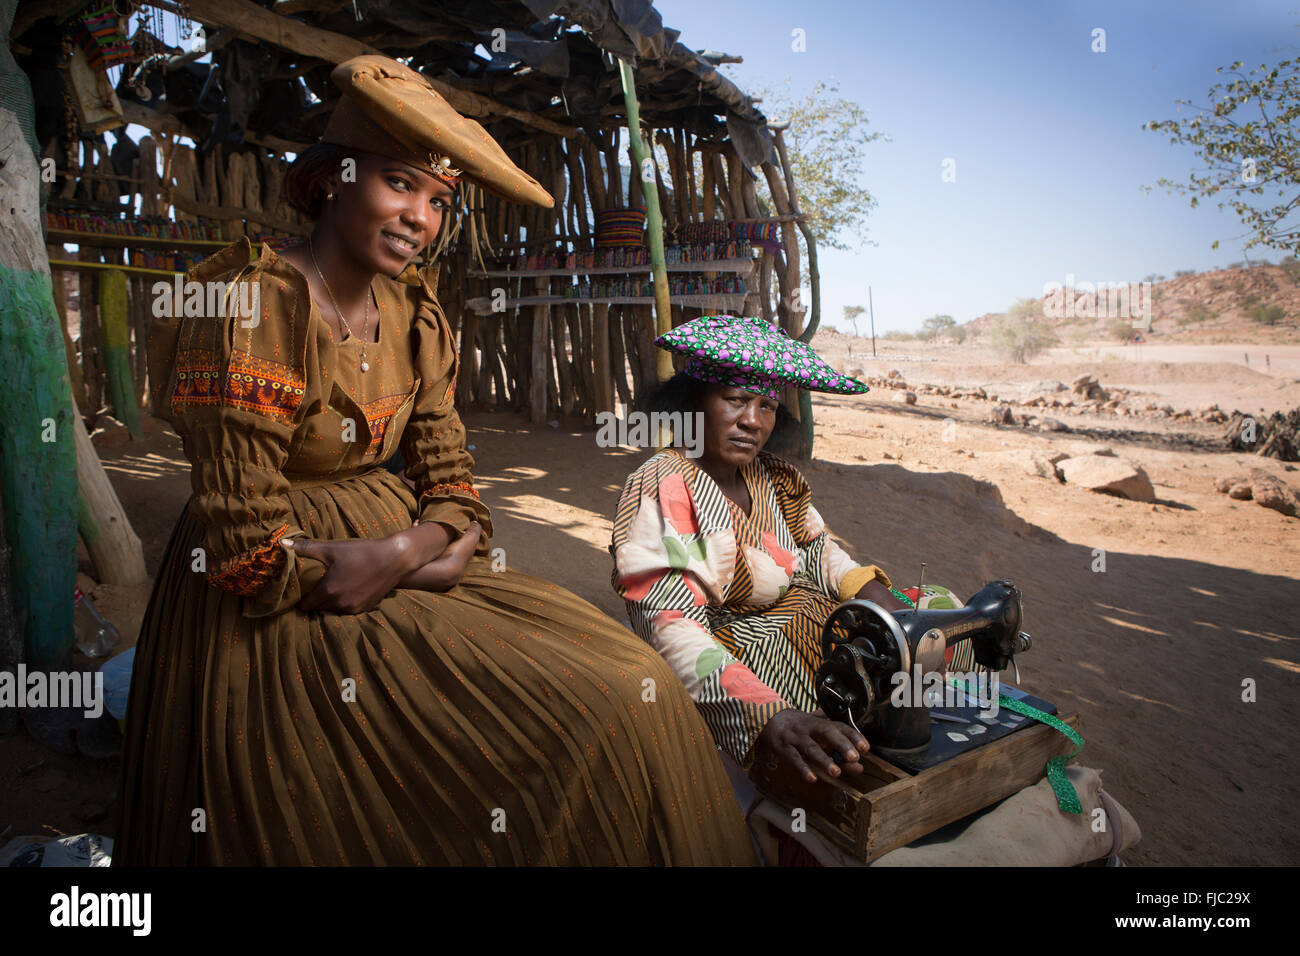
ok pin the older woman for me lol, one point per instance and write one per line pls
(726, 567)
(330, 669)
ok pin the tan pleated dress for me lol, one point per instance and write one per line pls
(506, 721)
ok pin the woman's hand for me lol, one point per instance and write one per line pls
(445, 571)
(874, 591)
(361, 573)
(806, 740)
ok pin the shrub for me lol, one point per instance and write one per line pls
(1197, 312)
(1021, 333)
(1268, 314)
(1122, 331)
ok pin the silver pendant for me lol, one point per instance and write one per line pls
(365, 366)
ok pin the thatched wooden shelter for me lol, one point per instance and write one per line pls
(552, 320)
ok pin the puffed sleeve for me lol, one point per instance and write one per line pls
(670, 570)
(835, 573)
(433, 443)
(239, 384)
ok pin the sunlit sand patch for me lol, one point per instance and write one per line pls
(1265, 635)
(1134, 627)
(1147, 700)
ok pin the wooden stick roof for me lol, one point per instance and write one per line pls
(521, 68)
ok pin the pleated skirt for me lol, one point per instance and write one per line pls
(506, 721)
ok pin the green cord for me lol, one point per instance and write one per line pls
(1067, 798)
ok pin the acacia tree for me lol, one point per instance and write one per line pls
(826, 139)
(852, 312)
(1247, 157)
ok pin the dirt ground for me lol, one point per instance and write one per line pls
(1198, 592)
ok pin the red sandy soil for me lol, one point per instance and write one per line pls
(1198, 594)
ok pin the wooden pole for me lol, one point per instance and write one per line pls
(105, 529)
(604, 382)
(540, 370)
(38, 469)
(74, 363)
(872, 307)
(117, 350)
(654, 219)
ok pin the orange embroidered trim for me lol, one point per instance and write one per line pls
(379, 414)
(447, 487)
(252, 383)
(249, 572)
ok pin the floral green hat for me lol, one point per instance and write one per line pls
(753, 354)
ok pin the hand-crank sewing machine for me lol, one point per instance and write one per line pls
(936, 754)
(872, 659)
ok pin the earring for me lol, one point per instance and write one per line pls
(329, 195)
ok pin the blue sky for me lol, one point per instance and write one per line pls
(1047, 136)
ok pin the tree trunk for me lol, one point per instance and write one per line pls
(38, 469)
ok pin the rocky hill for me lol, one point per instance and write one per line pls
(1255, 304)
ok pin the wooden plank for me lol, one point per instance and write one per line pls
(701, 265)
(908, 809)
(886, 807)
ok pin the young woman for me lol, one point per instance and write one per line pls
(726, 567)
(330, 670)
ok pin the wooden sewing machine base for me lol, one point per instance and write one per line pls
(886, 807)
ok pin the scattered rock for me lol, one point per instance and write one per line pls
(894, 373)
(1112, 476)
(1001, 415)
(1031, 462)
(1051, 425)
(908, 398)
(1087, 387)
(1266, 489)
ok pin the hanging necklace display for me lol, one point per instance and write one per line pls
(365, 366)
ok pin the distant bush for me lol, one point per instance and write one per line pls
(1291, 269)
(898, 335)
(1196, 313)
(1022, 333)
(1122, 331)
(1267, 314)
(1184, 272)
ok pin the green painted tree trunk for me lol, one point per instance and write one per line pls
(38, 464)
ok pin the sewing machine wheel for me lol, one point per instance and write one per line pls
(862, 645)
(860, 623)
